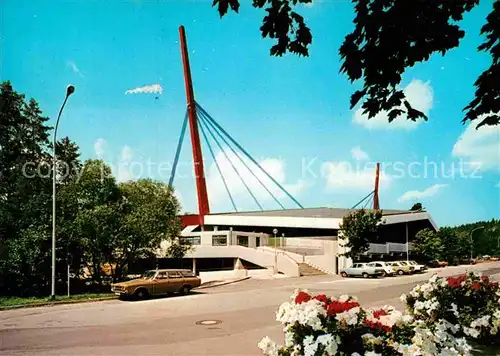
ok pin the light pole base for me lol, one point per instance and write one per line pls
(52, 297)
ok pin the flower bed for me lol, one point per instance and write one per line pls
(440, 316)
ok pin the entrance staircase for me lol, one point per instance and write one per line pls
(308, 270)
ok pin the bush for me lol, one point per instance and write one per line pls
(440, 317)
(469, 302)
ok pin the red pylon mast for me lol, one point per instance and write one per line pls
(201, 185)
(376, 204)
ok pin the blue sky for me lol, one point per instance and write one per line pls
(290, 113)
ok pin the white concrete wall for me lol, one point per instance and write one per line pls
(235, 274)
(325, 263)
(307, 242)
(262, 258)
(222, 275)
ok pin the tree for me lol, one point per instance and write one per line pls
(427, 244)
(25, 193)
(149, 217)
(390, 36)
(93, 207)
(417, 207)
(359, 228)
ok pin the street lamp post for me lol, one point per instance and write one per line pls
(275, 232)
(69, 90)
(471, 241)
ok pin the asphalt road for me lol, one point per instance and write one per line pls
(244, 312)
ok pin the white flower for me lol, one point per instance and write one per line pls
(454, 309)
(343, 298)
(408, 350)
(471, 332)
(289, 338)
(447, 351)
(483, 321)
(350, 316)
(403, 298)
(407, 318)
(307, 314)
(391, 319)
(268, 347)
(329, 343)
(434, 278)
(310, 346)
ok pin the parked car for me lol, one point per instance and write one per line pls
(437, 263)
(157, 282)
(360, 270)
(382, 266)
(418, 267)
(401, 268)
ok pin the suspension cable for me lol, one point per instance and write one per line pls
(362, 200)
(218, 167)
(178, 151)
(201, 119)
(249, 157)
(242, 161)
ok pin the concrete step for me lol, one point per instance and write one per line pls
(308, 270)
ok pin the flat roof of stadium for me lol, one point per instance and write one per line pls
(323, 218)
(335, 213)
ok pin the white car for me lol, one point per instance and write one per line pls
(418, 267)
(386, 269)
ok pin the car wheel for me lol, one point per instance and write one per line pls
(185, 290)
(365, 275)
(141, 294)
(384, 274)
(343, 274)
(401, 272)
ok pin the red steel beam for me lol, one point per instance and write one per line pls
(201, 185)
(376, 204)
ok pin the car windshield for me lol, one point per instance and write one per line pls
(148, 274)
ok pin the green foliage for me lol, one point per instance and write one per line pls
(358, 229)
(390, 36)
(485, 236)
(453, 244)
(98, 221)
(427, 244)
(417, 207)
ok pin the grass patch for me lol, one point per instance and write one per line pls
(15, 301)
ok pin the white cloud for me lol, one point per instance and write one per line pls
(99, 147)
(343, 176)
(419, 194)
(420, 95)
(124, 173)
(74, 68)
(358, 154)
(276, 169)
(147, 89)
(480, 147)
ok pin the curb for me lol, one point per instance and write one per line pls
(61, 302)
(222, 283)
